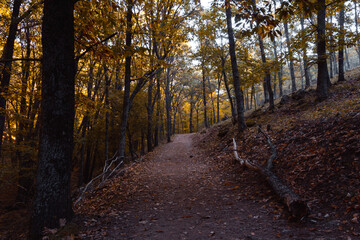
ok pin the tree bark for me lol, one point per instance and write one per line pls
(290, 54)
(204, 94)
(357, 29)
(341, 76)
(5, 67)
(26, 164)
(168, 106)
(305, 58)
(267, 78)
(157, 129)
(233, 114)
(191, 112)
(323, 74)
(150, 111)
(126, 102)
(235, 71)
(53, 198)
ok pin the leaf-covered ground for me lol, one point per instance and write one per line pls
(192, 188)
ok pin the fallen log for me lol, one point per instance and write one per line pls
(296, 206)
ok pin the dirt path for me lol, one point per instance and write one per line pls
(178, 193)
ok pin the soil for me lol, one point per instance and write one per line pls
(184, 191)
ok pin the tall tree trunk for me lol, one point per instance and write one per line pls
(212, 102)
(305, 58)
(156, 143)
(341, 76)
(218, 99)
(357, 30)
(280, 74)
(26, 164)
(107, 85)
(53, 198)
(347, 59)
(204, 94)
(191, 112)
(290, 54)
(233, 114)
(6, 66)
(126, 102)
(150, 111)
(235, 70)
(323, 74)
(168, 105)
(267, 78)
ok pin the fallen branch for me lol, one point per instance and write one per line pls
(269, 163)
(296, 206)
(104, 177)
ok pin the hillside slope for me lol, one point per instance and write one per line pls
(318, 145)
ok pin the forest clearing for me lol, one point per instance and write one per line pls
(179, 119)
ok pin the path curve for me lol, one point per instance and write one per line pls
(179, 193)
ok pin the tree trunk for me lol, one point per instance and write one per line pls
(191, 112)
(280, 74)
(347, 59)
(107, 85)
(323, 74)
(53, 198)
(168, 106)
(6, 66)
(305, 58)
(235, 71)
(204, 94)
(267, 78)
(290, 54)
(150, 111)
(341, 76)
(26, 164)
(218, 100)
(233, 114)
(357, 30)
(156, 143)
(126, 102)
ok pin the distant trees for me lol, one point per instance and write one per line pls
(137, 78)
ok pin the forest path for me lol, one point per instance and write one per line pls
(179, 193)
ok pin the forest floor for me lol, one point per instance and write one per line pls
(181, 192)
(192, 188)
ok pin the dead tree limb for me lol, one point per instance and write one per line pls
(296, 206)
(269, 163)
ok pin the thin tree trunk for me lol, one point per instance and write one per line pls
(26, 164)
(341, 76)
(53, 198)
(126, 102)
(204, 94)
(357, 30)
(235, 71)
(347, 59)
(168, 106)
(233, 114)
(191, 112)
(290, 54)
(212, 101)
(150, 111)
(218, 99)
(267, 78)
(107, 85)
(5, 67)
(156, 143)
(323, 74)
(305, 58)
